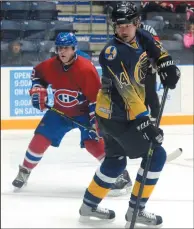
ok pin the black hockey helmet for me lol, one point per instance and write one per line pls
(125, 13)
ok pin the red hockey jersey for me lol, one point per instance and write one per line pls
(73, 89)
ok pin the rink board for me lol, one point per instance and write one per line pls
(18, 113)
(32, 123)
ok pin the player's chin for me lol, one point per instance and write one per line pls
(126, 39)
(64, 59)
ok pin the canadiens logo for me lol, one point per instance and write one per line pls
(110, 52)
(66, 98)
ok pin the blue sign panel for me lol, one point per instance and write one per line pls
(20, 102)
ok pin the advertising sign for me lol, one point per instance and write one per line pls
(20, 100)
(82, 18)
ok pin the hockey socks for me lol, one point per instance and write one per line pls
(156, 166)
(35, 151)
(103, 180)
(95, 148)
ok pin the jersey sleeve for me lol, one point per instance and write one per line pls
(90, 85)
(152, 31)
(37, 77)
(154, 48)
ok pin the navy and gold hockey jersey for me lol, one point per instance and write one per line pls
(124, 67)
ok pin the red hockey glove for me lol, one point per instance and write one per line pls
(39, 97)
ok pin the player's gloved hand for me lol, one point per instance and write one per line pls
(168, 72)
(39, 97)
(152, 120)
(94, 134)
(150, 132)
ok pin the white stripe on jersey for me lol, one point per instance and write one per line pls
(150, 29)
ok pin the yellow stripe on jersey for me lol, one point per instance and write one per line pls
(135, 105)
(103, 105)
(162, 56)
(97, 190)
(147, 191)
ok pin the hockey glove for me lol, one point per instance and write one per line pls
(94, 134)
(39, 97)
(168, 72)
(150, 132)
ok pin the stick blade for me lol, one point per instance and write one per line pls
(174, 155)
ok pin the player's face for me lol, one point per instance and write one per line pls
(65, 53)
(126, 31)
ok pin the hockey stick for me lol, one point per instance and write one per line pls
(149, 158)
(172, 156)
(65, 116)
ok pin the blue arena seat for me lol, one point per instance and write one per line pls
(55, 27)
(34, 29)
(41, 10)
(16, 10)
(10, 30)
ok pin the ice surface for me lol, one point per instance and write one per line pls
(56, 186)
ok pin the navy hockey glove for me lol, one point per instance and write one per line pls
(150, 132)
(168, 72)
(39, 97)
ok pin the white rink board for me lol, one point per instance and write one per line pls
(180, 101)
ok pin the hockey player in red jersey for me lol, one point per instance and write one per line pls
(75, 84)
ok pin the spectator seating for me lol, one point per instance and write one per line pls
(85, 47)
(36, 22)
(10, 30)
(30, 51)
(17, 10)
(43, 11)
(46, 48)
(26, 10)
(4, 45)
(172, 45)
(55, 27)
(33, 29)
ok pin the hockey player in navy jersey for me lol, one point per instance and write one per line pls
(123, 117)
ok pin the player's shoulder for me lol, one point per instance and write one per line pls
(144, 34)
(111, 43)
(84, 63)
(109, 51)
(46, 63)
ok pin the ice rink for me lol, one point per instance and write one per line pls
(55, 189)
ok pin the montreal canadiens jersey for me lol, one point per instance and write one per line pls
(75, 90)
(124, 67)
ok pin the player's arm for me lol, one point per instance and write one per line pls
(38, 91)
(166, 68)
(90, 85)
